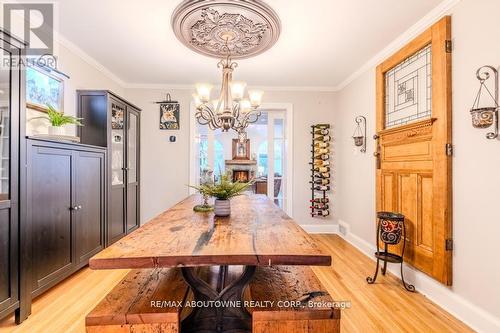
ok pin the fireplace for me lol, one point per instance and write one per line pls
(242, 176)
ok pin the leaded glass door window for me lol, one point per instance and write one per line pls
(408, 90)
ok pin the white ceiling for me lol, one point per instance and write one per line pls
(322, 41)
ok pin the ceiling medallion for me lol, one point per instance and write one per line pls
(215, 28)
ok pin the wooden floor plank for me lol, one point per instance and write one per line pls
(382, 307)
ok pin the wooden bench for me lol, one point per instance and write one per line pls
(283, 285)
(128, 308)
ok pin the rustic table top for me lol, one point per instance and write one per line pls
(257, 233)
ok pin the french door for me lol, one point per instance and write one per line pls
(269, 146)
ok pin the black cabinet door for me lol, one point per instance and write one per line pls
(89, 204)
(117, 222)
(50, 213)
(9, 164)
(133, 158)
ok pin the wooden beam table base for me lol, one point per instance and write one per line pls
(218, 318)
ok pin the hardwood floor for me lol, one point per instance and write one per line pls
(382, 307)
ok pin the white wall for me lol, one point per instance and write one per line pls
(165, 165)
(83, 75)
(475, 294)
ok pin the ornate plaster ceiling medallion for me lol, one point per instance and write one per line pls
(243, 28)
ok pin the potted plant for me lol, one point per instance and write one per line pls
(222, 191)
(58, 120)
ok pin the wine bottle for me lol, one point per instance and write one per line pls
(324, 181)
(323, 213)
(321, 163)
(320, 206)
(322, 145)
(321, 131)
(323, 157)
(320, 200)
(322, 169)
(321, 151)
(322, 175)
(324, 138)
(322, 188)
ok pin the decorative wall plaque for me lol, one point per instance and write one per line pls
(206, 26)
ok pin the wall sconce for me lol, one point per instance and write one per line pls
(359, 135)
(484, 117)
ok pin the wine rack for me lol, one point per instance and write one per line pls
(320, 170)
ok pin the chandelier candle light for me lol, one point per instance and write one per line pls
(231, 110)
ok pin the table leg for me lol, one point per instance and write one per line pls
(218, 318)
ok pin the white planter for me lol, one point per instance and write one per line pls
(222, 207)
(56, 130)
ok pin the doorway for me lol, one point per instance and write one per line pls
(268, 161)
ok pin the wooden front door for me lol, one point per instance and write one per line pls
(413, 147)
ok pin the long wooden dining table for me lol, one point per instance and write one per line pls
(257, 233)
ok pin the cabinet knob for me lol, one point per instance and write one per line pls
(74, 208)
(79, 206)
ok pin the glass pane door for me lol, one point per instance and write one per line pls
(118, 141)
(132, 148)
(5, 128)
(265, 163)
(279, 147)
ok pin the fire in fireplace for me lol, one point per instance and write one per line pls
(241, 176)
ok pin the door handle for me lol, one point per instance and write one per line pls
(377, 151)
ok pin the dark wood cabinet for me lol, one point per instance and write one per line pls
(90, 198)
(49, 213)
(11, 98)
(65, 208)
(114, 123)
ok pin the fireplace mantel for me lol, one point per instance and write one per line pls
(241, 162)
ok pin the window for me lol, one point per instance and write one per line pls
(262, 159)
(219, 164)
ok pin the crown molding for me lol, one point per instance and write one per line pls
(160, 86)
(422, 24)
(63, 41)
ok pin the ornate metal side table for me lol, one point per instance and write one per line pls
(390, 230)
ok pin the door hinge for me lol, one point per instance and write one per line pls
(448, 46)
(449, 149)
(449, 244)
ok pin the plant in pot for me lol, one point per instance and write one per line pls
(222, 191)
(58, 120)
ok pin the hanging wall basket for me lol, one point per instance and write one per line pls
(484, 117)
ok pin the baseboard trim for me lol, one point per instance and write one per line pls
(321, 228)
(473, 316)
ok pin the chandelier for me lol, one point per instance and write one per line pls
(231, 110)
(227, 30)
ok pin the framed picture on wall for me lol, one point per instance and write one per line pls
(241, 150)
(43, 88)
(169, 114)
